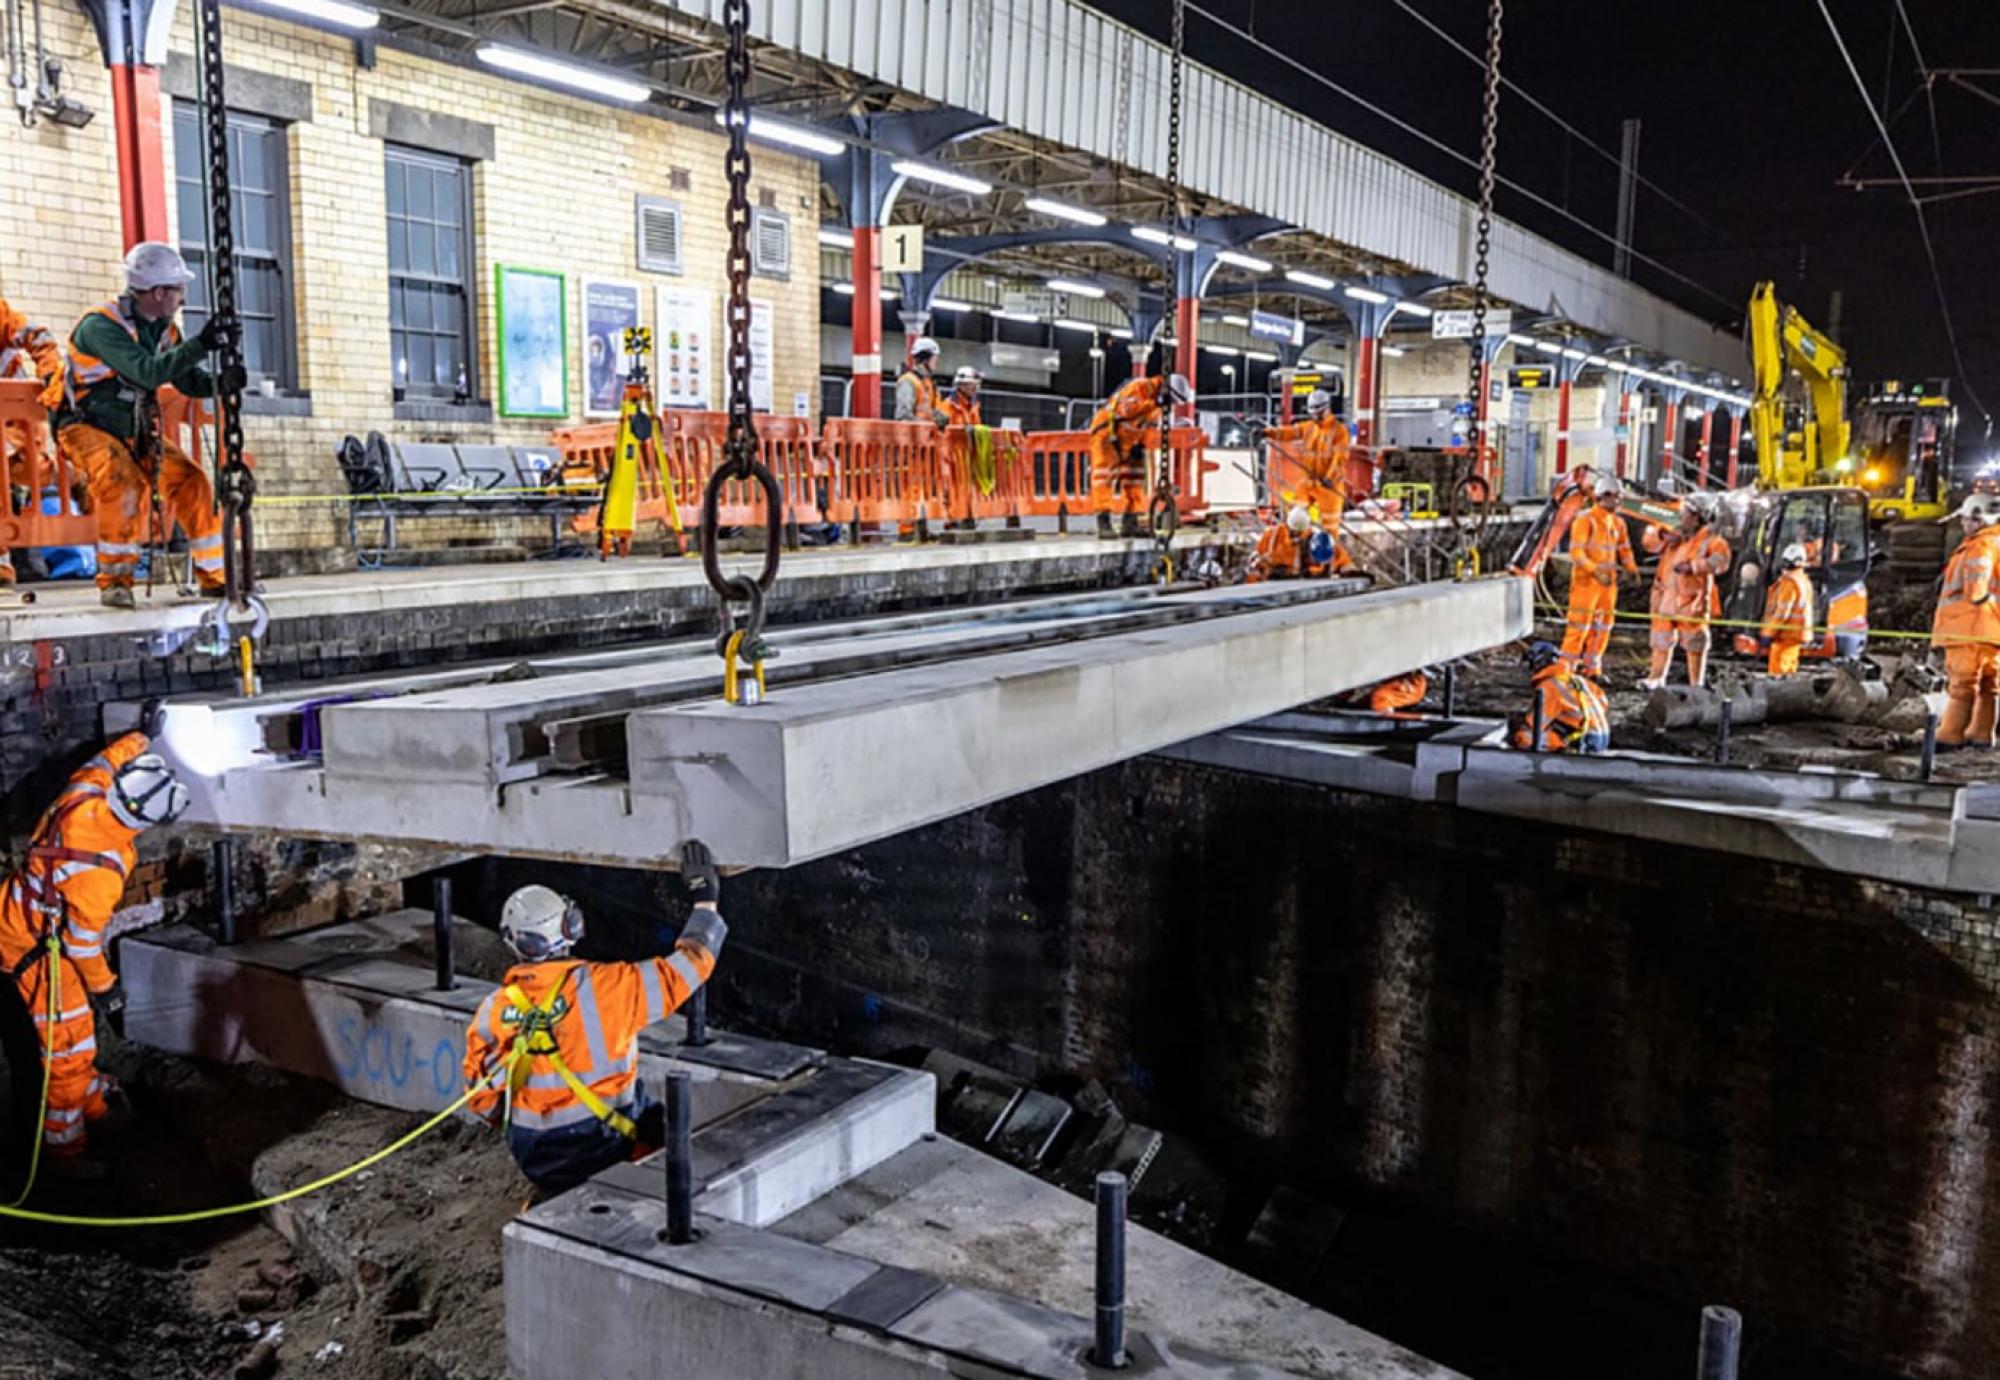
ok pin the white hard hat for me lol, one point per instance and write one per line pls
(1794, 554)
(1298, 519)
(966, 374)
(540, 923)
(146, 792)
(1318, 402)
(921, 346)
(1608, 484)
(1180, 389)
(1702, 505)
(1981, 508)
(151, 264)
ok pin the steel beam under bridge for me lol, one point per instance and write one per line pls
(881, 726)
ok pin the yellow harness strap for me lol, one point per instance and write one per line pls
(537, 1041)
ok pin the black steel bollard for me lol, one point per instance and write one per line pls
(225, 891)
(1929, 758)
(1721, 1342)
(1062, 519)
(1109, 1348)
(1722, 733)
(1540, 728)
(447, 962)
(696, 1012)
(1451, 691)
(680, 1160)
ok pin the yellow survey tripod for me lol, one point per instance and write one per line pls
(638, 438)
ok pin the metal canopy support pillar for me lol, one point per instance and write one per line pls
(869, 195)
(1486, 455)
(1670, 426)
(1371, 322)
(1189, 271)
(132, 35)
(1149, 313)
(1624, 420)
(1701, 446)
(1735, 445)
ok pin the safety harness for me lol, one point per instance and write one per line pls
(535, 1038)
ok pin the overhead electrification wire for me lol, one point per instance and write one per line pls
(1456, 154)
(1540, 108)
(1916, 206)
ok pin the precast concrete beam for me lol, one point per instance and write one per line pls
(827, 764)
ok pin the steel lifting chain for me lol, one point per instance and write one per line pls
(1163, 511)
(1489, 165)
(740, 647)
(234, 484)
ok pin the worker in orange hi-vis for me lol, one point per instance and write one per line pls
(1295, 549)
(1698, 559)
(961, 405)
(1569, 706)
(553, 1052)
(27, 353)
(1118, 446)
(1967, 626)
(1399, 692)
(54, 908)
(120, 355)
(1599, 547)
(1788, 612)
(1322, 445)
(1660, 542)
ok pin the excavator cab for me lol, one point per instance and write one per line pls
(1832, 525)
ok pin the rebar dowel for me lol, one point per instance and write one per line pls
(1929, 758)
(447, 964)
(680, 1160)
(1108, 1350)
(225, 892)
(1722, 732)
(1721, 1342)
(697, 1019)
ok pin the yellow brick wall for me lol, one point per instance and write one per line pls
(558, 194)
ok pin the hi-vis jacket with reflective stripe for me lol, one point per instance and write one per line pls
(596, 1011)
(74, 872)
(1968, 614)
(117, 357)
(1134, 409)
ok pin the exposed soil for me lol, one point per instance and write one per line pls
(391, 1275)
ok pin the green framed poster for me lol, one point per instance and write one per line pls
(532, 307)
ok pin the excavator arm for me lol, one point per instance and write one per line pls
(1782, 341)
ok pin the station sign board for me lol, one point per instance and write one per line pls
(1286, 330)
(1037, 302)
(902, 249)
(1530, 377)
(1457, 325)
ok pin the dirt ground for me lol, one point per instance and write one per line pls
(395, 1274)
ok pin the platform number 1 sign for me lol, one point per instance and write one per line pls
(902, 249)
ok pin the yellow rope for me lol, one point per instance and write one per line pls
(174, 1219)
(54, 984)
(1550, 606)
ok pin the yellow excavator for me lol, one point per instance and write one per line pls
(1903, 462)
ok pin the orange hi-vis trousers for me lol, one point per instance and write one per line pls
(121, 496)
(1587, 630)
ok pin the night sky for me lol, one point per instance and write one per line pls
(1750, 118)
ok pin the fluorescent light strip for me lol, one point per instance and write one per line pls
(1235, 259)
(1574, 354)
(1260, 356)
(1153, 235)
(941, 177)
(844, 289)
(1242, 321)
(1002, 314)
(1062, 210)
(1394, 351)
(1311, 280)
(771, 131)
(1596, 361)
(1416, 309)
(335, 12)
(1362, 294)
(1119, 333)
(1074, 289)
(1221, 350)
(1548, 347)
(1520, 340)
(836, 239)
(949, 304)
(1066, 323)
(589, 80)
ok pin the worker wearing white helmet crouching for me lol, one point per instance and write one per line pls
(553, 1052)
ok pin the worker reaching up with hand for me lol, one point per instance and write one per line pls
(1967, 626)
(120, 355)
(1788, 612)
(54, 909)
(1599, 547)
(553, 1052)
(1323, 446)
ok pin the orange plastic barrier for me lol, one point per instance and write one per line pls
(35, 468)
(1011, 495)
(690, 447)
(884, 471)
(1058, 470)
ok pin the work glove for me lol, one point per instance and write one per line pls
(698, 874)
(153, 717)
(111, 1006)
(218, 333)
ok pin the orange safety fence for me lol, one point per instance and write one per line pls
(1058, 470)
(690, 447)
(885, 471)
(35, 470)
(1011, 493)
